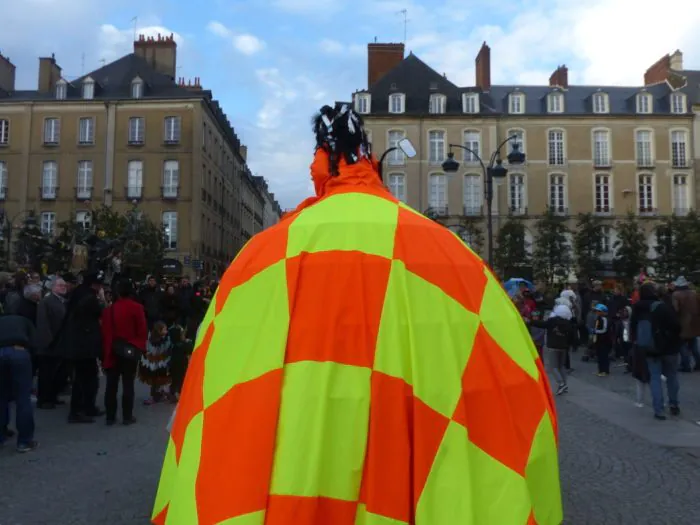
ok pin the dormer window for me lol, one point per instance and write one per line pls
(61, 90)
(438, 103)
(555, 103)
(516, 103)
(644, 103)
(88, 89)
(397, 103)
(600, 103)
(137, 88)
(678, 103)
(470, 102)
(363, 103)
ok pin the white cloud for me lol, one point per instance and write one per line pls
(333, 47)
(244, 43)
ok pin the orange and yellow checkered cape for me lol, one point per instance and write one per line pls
(359, 365)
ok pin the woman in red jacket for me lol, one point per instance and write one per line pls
(125, 320)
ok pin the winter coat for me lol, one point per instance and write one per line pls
(685, 302)
(124, 320)
(51, 313)
(82, 338)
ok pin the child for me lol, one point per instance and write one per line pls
(180, 352)
(602, 340)
(537, 333)
(153, 368)
(560, 337)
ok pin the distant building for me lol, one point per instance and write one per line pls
(271, 210)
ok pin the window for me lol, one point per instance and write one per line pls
(601, 148)
(555, 103)
(397, 186)
(517, 193)
(602, 194)
(49, 180)
(438, 103)
(600, 103)
(516, 103)
(61, 90)
(644, 148)
(134, 187)
(3, 180)
(555, 143)
(171, 178)
(86, 130)
(679, 148)
(172, 130)
(52, 131)
(4, 132)
(681, 195)
(83, 219)
(646, 193)
(170, 230)
(518, 137)
(396, 157)
(557, 193)
(606, 244)
(88, 89)
(137, 88)
(644, 103)
(137, 128)
(48, 223)
(436, 142)
(678, 103)
(472, 140)
(84, 184)
(397, 103)
(470, 103)
(438, 193)
(362, 103)
(472, 194)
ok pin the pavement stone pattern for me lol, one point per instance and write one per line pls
(95, 475)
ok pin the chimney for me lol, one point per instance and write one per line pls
(483, 68)
(49, 74)
(160, 52)
(243, 150)
(560, 77)
(7, 74)
(382, 58)
(659, 71)
(677, 60)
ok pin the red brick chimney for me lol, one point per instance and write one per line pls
(483, 68)
(560, 77)
(661, 69)
(382, 58)
(160, 52)
(7, 74)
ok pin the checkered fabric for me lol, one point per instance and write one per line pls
(359, 365)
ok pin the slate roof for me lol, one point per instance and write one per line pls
(418, 81)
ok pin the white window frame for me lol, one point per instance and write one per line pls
(555, 102)
(397, 103)
(680, 208)
(88, 89)
(645, 103)
(472, 194)
(602, 191)
(396, 157)
(516, 103)
(363, 103)
(475, 145)
(438, 103)
(84, 180)
(170, 227)
(171, 178)
(397, 185)
(47, 224)
(52, 131)
(134, 179)
(607, 247)
(4, 131)
(679, 154)
(646, 202)
(602, 158)
(84, 219)
(554, 157)
(86, 137)
(61, 90)
(471, 103)
(137, 125)
(172, 132)
(49, 180)
(559, 203)
(521, 139)
(438, 183)
(678, 103)
(601, 103)
(137, 88)
(517, 206)
(4, 180)
(644, 161)
(436, 155)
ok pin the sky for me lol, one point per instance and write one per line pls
(273, 63)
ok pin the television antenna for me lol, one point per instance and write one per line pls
(135, 21)
(404, 12)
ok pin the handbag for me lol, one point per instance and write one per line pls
(123, 349)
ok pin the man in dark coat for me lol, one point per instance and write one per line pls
(49, 322)
(150, 297)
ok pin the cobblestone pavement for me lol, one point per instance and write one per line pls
(91, 474)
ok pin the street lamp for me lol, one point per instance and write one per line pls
(494, 170)
(404, 145)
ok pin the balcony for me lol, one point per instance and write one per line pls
(83, 193)
(648, 212)
(517, 211)
(556, 160)
(681, 163)
(645, 162)
(473, 211)
(48, 193)
(602, 163)
(134, 192)
(169, 192)
(561, 211)
(681, 212)
(434, 212)
(135, 141)
(603, 211)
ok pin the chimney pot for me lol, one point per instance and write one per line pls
(483, 68)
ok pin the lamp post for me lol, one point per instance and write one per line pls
(494, 170)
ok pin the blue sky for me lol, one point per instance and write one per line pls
(272, 63)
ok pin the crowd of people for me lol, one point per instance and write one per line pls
(651, 332)
(61, 334)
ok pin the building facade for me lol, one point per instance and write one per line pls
(127, 134)
(606, 150)
(271, 208)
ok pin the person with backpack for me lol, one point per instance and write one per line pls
(655, 332)
(561, 335)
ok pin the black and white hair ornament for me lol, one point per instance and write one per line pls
(340, 131)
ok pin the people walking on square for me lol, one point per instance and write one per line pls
(561, 335)
(155, 363)
(685, 302)
(602, 339)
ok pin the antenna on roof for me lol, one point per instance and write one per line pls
(404, 12)
(135, 21)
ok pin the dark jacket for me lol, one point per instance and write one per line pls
(685, 302)
(151, 300)
(50, 315)
(82, 338)
(16, 330)
(561, 333)
(664, 320)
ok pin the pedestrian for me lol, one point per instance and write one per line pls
(51, 314)
(179, 357)
(155, 363)
(685, 302)
(602, 340)
(537, 333)
(150, 297)
(559, 339)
